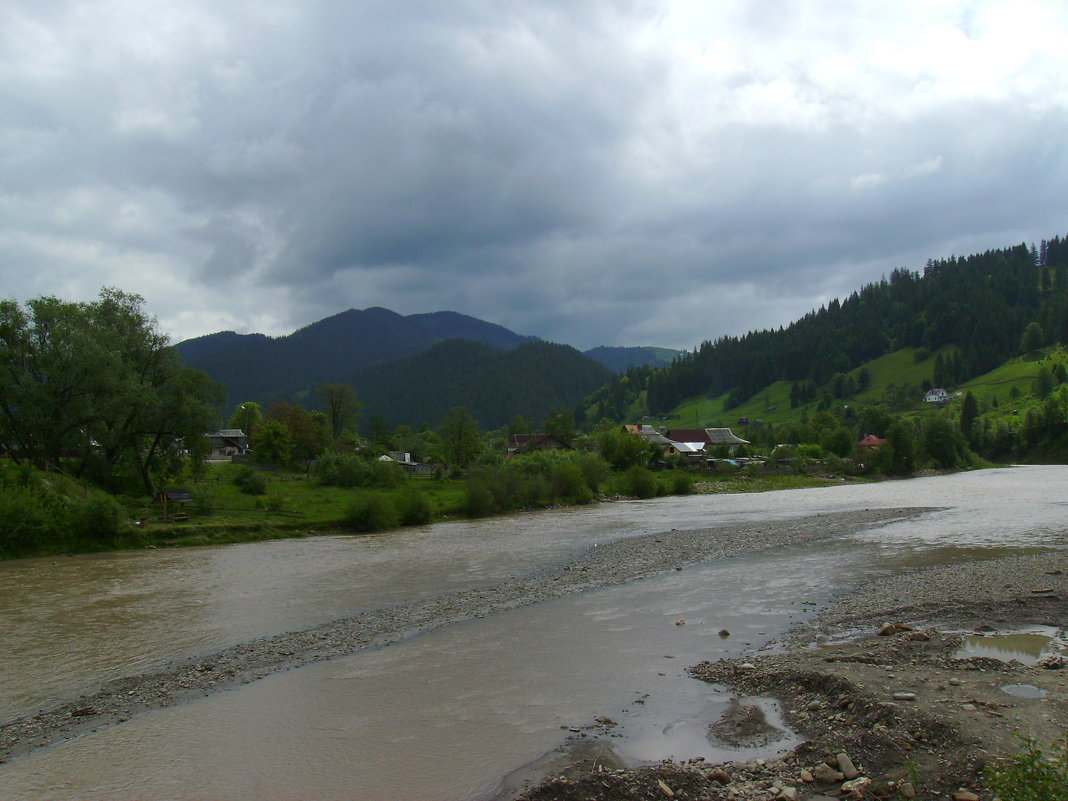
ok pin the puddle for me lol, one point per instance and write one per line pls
(1026, 647)
(1023, 690)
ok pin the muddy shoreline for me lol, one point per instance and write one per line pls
(609, 564)
(901, 714)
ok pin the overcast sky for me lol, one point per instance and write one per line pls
(588, 171)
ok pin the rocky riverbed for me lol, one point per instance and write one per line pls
(609, 564)
(887, 703)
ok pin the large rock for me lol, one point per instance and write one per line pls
(845, 764)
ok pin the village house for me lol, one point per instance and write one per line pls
(689, 442)
(404, 459)
(525, 443)
(871, 441)
(937, 395)
(227, 443)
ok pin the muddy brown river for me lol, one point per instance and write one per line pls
(470, 710)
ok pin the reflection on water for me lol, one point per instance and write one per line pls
(1026, 647)
(446, 715)
(1023, 690)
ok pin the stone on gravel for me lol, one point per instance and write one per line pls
(846, 766)
(825, 774)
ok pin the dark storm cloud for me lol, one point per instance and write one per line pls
(603, 172)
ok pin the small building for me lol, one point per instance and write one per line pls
(871, 441)
(404, 459)
(937, 395)
(724, 436)
(174, 503)
(227, 443)
(525, 443)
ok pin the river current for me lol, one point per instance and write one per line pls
(455, 713)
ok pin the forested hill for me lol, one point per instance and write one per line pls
(255, 367)
(982, 304)
(493, 385)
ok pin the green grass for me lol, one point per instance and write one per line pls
(899, 367)
(737, 482)
(294, 505)
(1019, 373)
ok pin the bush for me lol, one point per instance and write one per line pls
(478, 500)
(27, 521)
(98, 519)
(350, 470)
(371, 512)
(1028, 776)
(413, 507)
(681, 483)
(638, 482)
(250, 481)
(594, 469)
(569, 484)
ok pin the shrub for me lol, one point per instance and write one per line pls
(204, 501)
(413, 507)
(385, 475)
(275, 501)
(250, 481)
(478, 500)
(98, 519)
(681, 483)
(371, 512)
(568, 483)
(638, 482)
(1028, 776)
(594, 469)
(350, 470)
(27, 521)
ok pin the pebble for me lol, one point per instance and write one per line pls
(903, 696)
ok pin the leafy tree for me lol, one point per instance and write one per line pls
(460, 438)
(305, 437)
(969, 411)
(1033, 338)
(622, 450)
(518, 426)
(272, 443)
(340, 406)
(942, 442)
(560, 425)
(837, 440)
(380, 432)
(97, 384)
(1043, 384)
(246, 416)
(901, 448)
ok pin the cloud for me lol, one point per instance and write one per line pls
(617, 172)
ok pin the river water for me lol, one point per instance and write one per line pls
(455, 713)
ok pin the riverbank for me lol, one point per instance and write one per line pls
(913, 716)
(601, 566)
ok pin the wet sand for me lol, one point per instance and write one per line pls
(916, 716)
